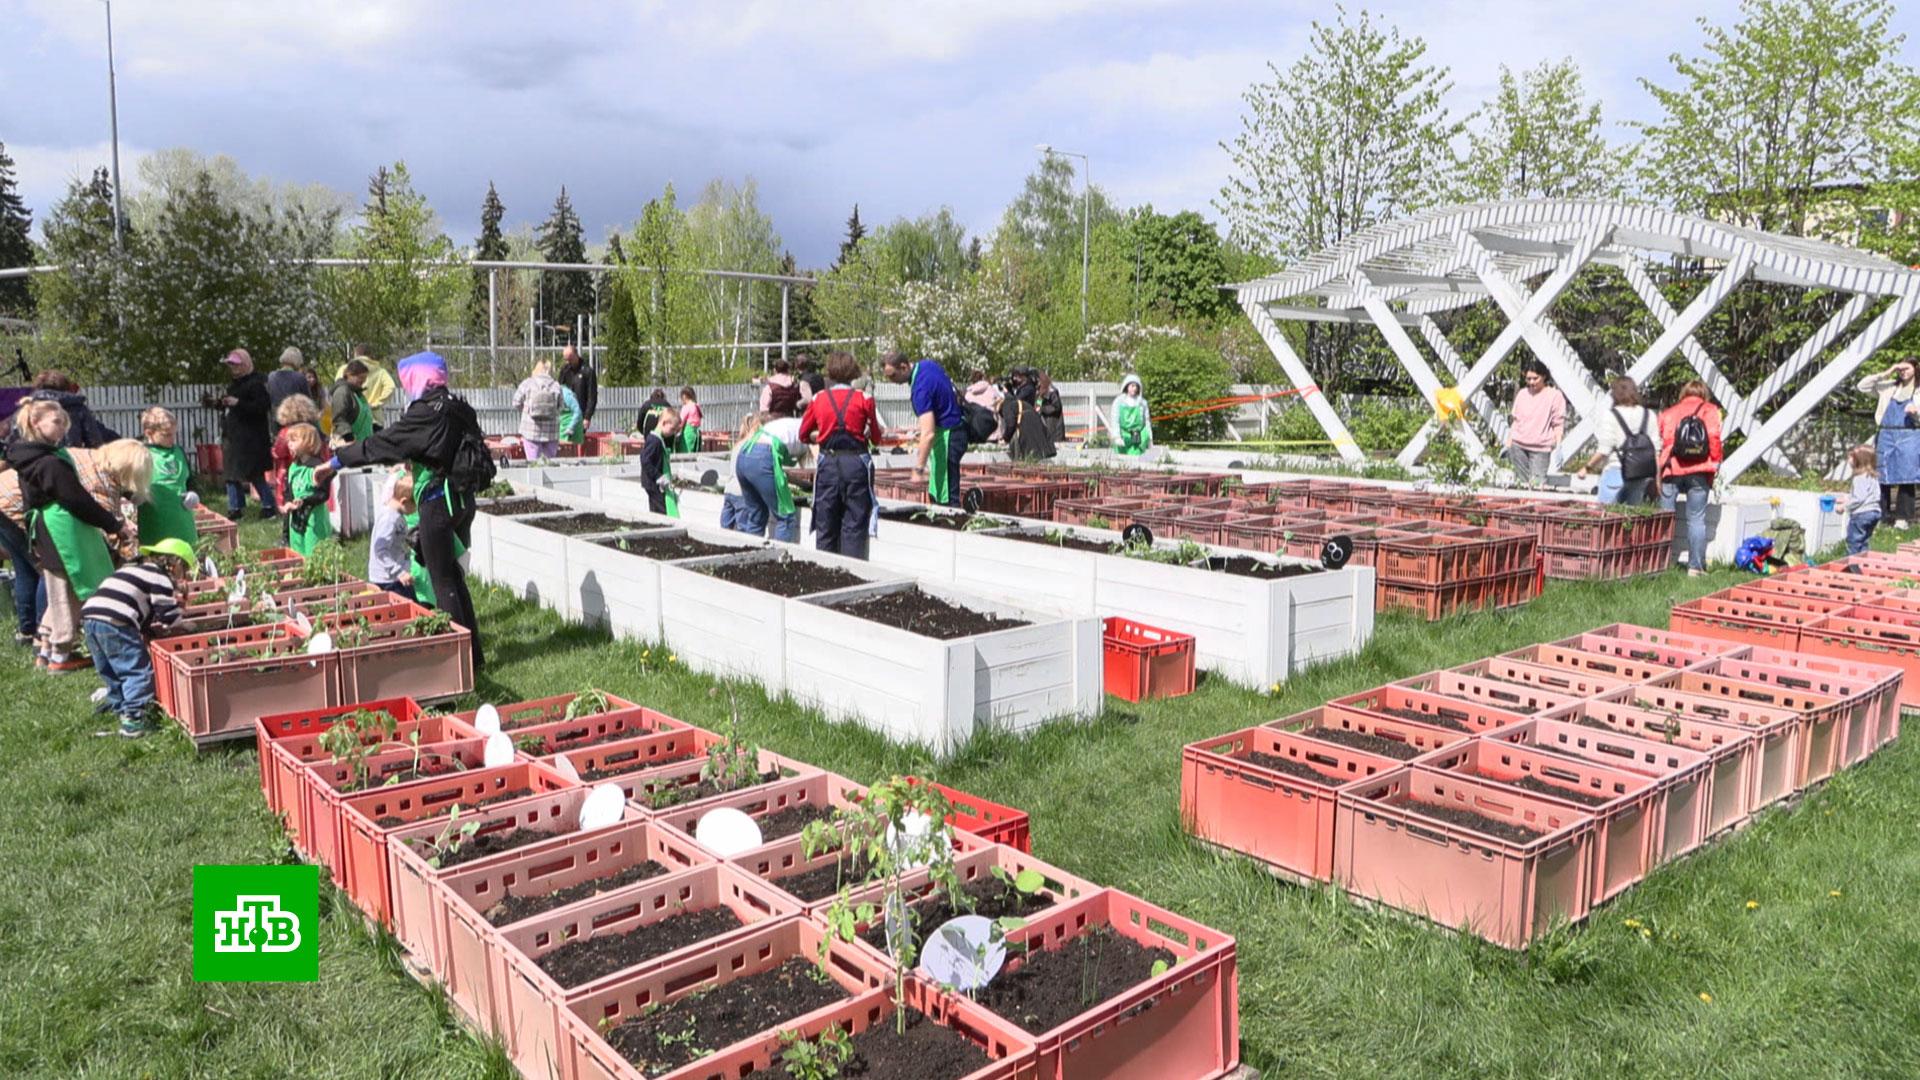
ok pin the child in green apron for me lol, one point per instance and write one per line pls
(573, 428)
(690, 418)
(305, 500)
(1132, 425)
(168, 512)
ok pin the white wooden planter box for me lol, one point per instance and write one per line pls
(621, 590)
(938, 693)
(528, 562)
(700, 509)
(480, 545)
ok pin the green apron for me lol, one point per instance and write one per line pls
(672, 501)
(84, 556)
(423, 481)
(362, 427)
(783, 494)
(690, 439)
(1136, 433)
(306, 528)
(165, 516)
(938, 488)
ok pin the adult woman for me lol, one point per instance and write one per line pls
(1052, 413)
(245, 448)
(780, 395)
(67, 528)
(1689, 458)
(540, 401)
(760, 462)
(690, 420)
(1898, 416)
(845, 424)
(1624, 448)
(428, 437)
(1020, 420)
(1130, 421)
(985, 394)
(1539, 423)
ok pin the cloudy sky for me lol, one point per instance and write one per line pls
(901, 107)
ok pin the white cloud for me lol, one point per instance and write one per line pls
(1168, 85)
(212, 38)
(44, 172)
(878, 32)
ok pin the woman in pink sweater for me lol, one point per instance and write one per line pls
(1539, 422)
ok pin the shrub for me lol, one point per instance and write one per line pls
(1176, 371)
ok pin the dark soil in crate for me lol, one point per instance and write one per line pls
(1467, 819)
(484, 845)
(584, 524)
(1242, 566)
(792, 820)
(822, 881)
(1291, 768)
(623, 763)
(922, 613)
(512, 908)
(1071, 543)
(579, 962)
(1372, 744)
(666, 548)
(1051, 987)
(396, 822)
(1557, 791)
(991, 898)
(682, 1032)
(661, 796)
(1415, 716)
(516, 507)
(785, 577)
(926, 1051)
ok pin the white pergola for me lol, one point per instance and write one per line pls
(1397, 276)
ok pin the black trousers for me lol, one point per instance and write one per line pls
(439, 528)
(956, 449)
(1896, 502)
(842, 503)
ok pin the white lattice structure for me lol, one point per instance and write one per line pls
(1397, 276)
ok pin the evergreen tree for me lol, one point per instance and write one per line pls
(16, 249)
(564, 294)
(619, 332)
(803, 323)
(856, 231)
(491, 247)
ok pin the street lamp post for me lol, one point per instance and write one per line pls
(1086, 200)
(113, 122)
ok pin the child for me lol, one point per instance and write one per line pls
(66, 527)
(734, 515)
(388, 553)
(136, 602)
(1863, 498)
(168, 511)
(655, 474)
(305, 499)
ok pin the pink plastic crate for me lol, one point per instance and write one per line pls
(1828, 729)
(523, 715)
(1522, 701)
(1418, 738)
(1862, 739)
(323, 784)
(285, 742)
(564, 736)
(1776, 731)
(1554, 680)
(1622, 670)
(1502, 891)
(616, 762)
(675, 786)
(813, 788)
(1732, 751)
(1401, 703)
(1684, 776)
(1647, 644)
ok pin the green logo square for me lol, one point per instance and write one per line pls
(256, 924)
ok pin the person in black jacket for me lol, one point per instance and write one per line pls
(654, 453)
(67, 528)
(427, 437)
(84, 430)
(576, 376)
(244, 442)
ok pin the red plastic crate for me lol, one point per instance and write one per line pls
(1115, 512)
(1554, 680)
(1466, 553)
(1683, 776)
(1283, 820)
(1435, 602)
(1828, 728)
(1408, 705)
(392, 664)
(220, 700)
(1744, 622)
(1626, 824)
(1613, 564)
(524, 715)
(990, 821)
(1609, 666)
(223, 532)
(622, 758)
(565, 736)
(811, 788)
(469, 944)
(284, 742)
(969, 867)
(1419, 738)
(1852, 634)
(1732, 752)
(322, 793)
(1594, 529)
(1776, 731)
(587, 1055)
(1888, 679)
(1145, 662)
(1519, 701)
(1502, 891)
(1644, 643)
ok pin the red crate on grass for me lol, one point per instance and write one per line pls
(1555, 680)
(1617, 668)
(1414, 738)
(677, 783)
(1419, 706)
(325, 784)
(1732, 752)
(469, 941)
(1230, 798)
(1520, 701)
(1855, 634)
(216, 698)
(586, 1054)
(1776, 733)
(1435, 602)
(1835, 588)
(617, 761)
(285, 742)
(1627, 808)
(531, 1000)
(1505, 891)
(311, 777)
(813, 788)
(1683, 776)
(1645, 643)
(391, 661)
(1829, 728)
(1113, 510)
(1613, 564)
(1888, 679)
(208, 459)
(367, 820)
(1577, 528)
(594, 729)
(989, 821)
(524, 715)
(1187, 523)
(1145, 662)
(1745, 622)
(1435, 559)
(222, 531)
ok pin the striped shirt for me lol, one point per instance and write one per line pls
(138, 595)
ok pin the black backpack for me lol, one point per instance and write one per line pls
(980, 422)
(471, 470)
(1690, 441)
(1638, 460)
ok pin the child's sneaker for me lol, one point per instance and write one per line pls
(136, 727)
(59, 663)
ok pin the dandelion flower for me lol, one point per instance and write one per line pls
(1706, 997)
(1753, 905)
(1646, 933)
(674, 658)
(1632, 924)
(1835, 893)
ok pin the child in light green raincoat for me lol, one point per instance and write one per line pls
(1129, 421)
(305, 500)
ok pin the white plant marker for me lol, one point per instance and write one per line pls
(914, 848)
(605, 805)
(727, 832)
(487, 720)
(207, 565)
(321, 642)
(499, 750)
(564, 766)
(965, 953)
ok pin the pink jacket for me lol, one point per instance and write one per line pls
(1539, 419)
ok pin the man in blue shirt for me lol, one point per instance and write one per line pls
(943, 426)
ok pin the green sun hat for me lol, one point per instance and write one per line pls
(173, 546)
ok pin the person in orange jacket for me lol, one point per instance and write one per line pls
(1690, 455)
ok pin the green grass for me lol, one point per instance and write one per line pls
(96, 855)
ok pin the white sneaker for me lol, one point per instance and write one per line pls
(1901, 525)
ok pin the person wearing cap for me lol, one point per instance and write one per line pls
(136, 603)
(245, 443)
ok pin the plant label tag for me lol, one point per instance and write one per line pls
(564, 766)
(914, 845)
(240, 581)
(207, 565)
(487, 720)
(605, 805)
(965, 953)
(499, 750)
(321, 642)
(727, 832)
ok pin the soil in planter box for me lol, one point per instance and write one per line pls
(582, 524)
(785, 577)
(579, 962)
(661, 797)
(992, 898)
(956, 522)
(666, 548)
(512, 908)
(792, 820)
(1292, 768)
(684, 1031)
(479, 847)
(926, 1052)
(922, 613)
(1415, 716)
(396, 822)
(1056, 985)
(823, 881)
(1070, 543)
(1467, 819)
(627, 761)
(1372, 744)
(1557, 791)
(516, 507)
(1242, 566)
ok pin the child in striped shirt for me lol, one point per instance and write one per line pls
(137, 601)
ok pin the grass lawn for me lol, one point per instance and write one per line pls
(1818, 980)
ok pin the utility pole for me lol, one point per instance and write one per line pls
(1086, 204)
(113, 122)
